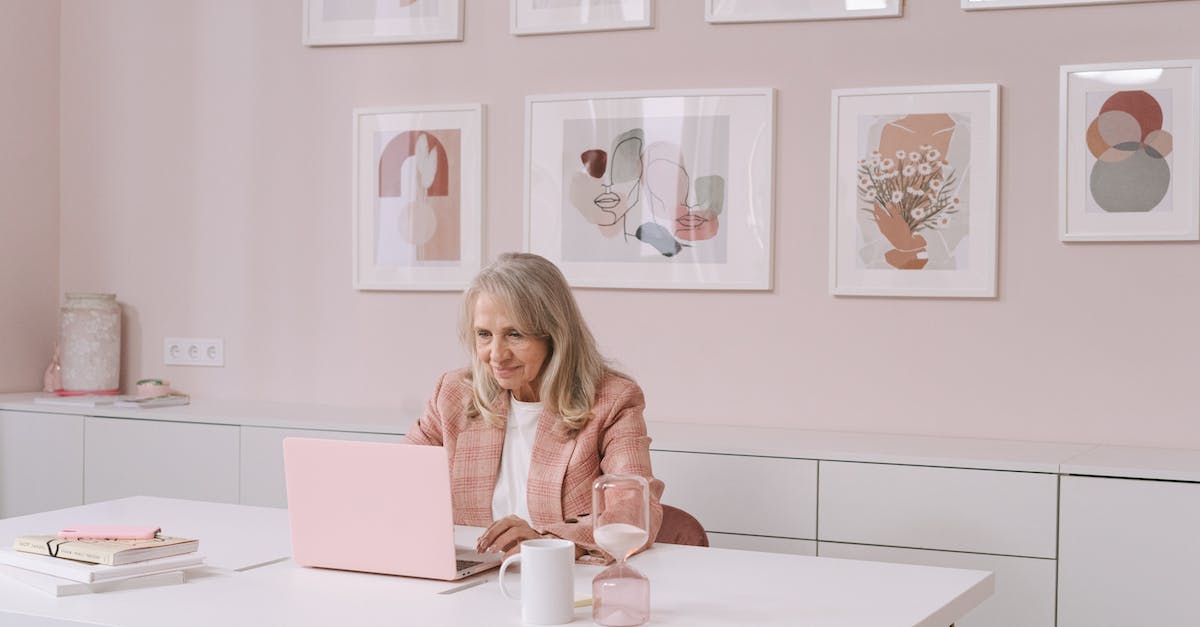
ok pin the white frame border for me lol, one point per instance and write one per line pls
(765, 193)
(711, 14)
(519, 26)
(452, 30)
(983, 5)
(993, 196)
(471, 212)
(1065, 72)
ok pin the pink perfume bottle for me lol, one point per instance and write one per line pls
(621, 507)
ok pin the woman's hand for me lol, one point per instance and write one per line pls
(506, 535)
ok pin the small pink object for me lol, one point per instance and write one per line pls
(52, 379)
(151, 388)
(109, 532)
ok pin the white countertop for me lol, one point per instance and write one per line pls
(1010, 455)
(1136, 463)
(247, 413)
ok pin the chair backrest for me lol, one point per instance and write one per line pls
(680, 527)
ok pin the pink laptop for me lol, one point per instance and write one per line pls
(375, 507)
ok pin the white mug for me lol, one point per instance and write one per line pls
(547, 581)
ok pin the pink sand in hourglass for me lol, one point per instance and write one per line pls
(621, 598)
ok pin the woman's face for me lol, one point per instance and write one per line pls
(514, 359)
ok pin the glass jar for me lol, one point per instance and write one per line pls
(90, 344)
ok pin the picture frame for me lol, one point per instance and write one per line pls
(976, 5)
(735, 11)
(1129, 151)
(653, 190)
(926, 225)
(541, 17)
(417, 198)
(356, 22)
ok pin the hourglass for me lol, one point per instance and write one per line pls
(621, 514)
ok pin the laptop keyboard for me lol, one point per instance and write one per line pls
(465, 564)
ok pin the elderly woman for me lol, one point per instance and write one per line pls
(537, 416)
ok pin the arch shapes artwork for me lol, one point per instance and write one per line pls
(418, 216)
(417, 197)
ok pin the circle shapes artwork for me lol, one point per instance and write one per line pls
(1126, 137)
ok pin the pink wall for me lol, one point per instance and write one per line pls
(206, 181)
(28, 190)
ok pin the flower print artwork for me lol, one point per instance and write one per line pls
(910, 191)
(914, 193)
(639, 194)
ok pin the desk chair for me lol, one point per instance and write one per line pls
(680, 527)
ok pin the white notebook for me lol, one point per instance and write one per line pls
(59, 587)
(87, 400)
(92, 573)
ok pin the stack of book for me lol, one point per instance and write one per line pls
(65, 567)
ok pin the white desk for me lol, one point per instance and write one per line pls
(689, 585)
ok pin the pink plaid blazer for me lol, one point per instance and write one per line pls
(562, 468)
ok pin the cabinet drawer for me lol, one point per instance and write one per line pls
(1129, 552)
(128, 457)
(262, 481)
(766, 496)
(41, 462)
(953, 509)
(1024, 593)
(762, 543)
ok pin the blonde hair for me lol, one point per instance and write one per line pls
(535, 294)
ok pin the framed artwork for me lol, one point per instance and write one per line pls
(1016, 4)
(418, 176)
(913, 198)
(663, 190)
(534, 17)
(789, 10)
(349, 22)
(1128, 157)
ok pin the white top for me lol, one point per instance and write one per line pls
(232, 537)
(986, 454)
(1134, 462)
(692, 586)
(521, 428)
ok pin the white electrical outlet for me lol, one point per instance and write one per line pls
(193, 351)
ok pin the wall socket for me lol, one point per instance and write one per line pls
(193, 351)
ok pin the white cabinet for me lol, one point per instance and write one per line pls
(953, 509)
(130, 457)
(742, 494)
(41, 462)
(1129, 551)
(262, 480)
(1024, 595)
